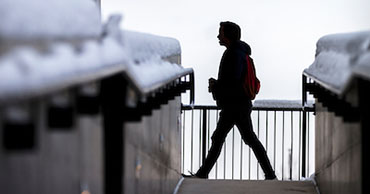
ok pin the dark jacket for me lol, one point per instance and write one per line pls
(228, 89)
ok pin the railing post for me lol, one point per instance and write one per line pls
(304, 90)
(192, 90)
(204, 135)
(304, 124)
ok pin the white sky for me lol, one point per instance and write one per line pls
(282, 34)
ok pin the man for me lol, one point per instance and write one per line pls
(235, 105)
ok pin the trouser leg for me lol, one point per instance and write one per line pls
(224, 125)
(244, 124)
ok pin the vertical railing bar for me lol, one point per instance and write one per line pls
(225, 160)
(249, 164)
(208, 130)
(275, 140)
(183, 142)
(304, 101)
(232, 155)
(267, 134)
(200, 137)
(308, 142)
(216, 161)
(241, 158)
(258, 136)
(249, 152)
(304, 133)
(299, 146)
(291, 145)
(204, 135)
(192, 141)
(283, 137)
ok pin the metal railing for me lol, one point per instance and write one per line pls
(285, 128)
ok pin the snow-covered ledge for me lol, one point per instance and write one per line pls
(339, 59)
(341, 81)
(55, 44)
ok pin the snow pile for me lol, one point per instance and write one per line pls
(146, 46)
(51, 19)
(279, 104)
(27, 71)
(153, 73)
(337, 57)
(363, 67)
(148, 68)
(346, 43)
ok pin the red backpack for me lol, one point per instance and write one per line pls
(251, 83)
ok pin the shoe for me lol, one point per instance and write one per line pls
(189, 176)
(274, 178)
(192, 175)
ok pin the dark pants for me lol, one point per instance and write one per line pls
(241, 117)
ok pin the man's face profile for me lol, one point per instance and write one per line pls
(221, 37)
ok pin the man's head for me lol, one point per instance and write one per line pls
(229, 32)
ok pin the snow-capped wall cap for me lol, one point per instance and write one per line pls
(26, 72)
(150, 68)
(281, 104)
(24, 20)
(145, 46)
(363, 68)
(348, 43)
(112, 28)
(338, 58)
(153, 74)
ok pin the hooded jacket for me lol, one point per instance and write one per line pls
(228, 90)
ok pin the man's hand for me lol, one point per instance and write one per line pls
(211, 84)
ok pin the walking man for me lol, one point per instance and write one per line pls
(235, 105)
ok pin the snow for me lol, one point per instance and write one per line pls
(152, 73)
(332, 68)
(363, 67)
(52, 19)
(294, 104)
(148, 67)
(145, 46)
(346, 43)
(340, 58)
(26, 70)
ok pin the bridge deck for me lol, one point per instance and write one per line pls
(203, 186)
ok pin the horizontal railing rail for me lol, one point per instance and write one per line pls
(285, 128)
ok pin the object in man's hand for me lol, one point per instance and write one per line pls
(211, 83)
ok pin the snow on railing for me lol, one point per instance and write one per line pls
(340, 58)
(62, 43)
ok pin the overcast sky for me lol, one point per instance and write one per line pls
(282, 34)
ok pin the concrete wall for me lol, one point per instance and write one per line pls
(338, 154)
(61, 160)
(152, 151)
(71, 159)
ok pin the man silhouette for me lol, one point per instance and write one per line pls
(235, 105)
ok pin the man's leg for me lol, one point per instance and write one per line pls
(244, 124)
(224, 125)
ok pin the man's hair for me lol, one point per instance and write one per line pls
(231, 30)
